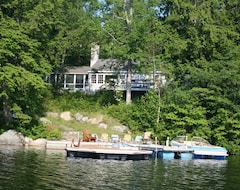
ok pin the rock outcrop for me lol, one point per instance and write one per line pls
(12, 137)
(97, 120)
(66, 116)
(120, 128)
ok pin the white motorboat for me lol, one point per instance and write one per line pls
(201, 148)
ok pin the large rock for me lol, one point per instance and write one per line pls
(85, 119)
(120, 128)
(38, 142)
(70, 135)
(12, 137)
(27, 140)
(66, 116)
(45, 121)
(52, 114)
(97, 120)
(103, 125)
(78, 116)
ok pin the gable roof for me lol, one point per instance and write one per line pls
(111, 65)
(77, 69)
(106, 65)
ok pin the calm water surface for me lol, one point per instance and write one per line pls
(46, 170)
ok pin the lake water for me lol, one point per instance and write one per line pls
(50, 170)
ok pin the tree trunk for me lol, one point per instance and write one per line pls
(128, 8)
(6, 111)
(128, 83)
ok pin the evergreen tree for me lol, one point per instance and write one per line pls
(22, 74)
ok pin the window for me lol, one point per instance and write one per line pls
(52, 79)
(100, 79)
(79, 81)
(69, 78)
(94, 79)
(69, 81)
(123, 77)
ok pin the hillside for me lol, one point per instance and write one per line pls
(95, 123)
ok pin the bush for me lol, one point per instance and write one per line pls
(41, 131)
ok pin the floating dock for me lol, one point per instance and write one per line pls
(100, 152)
(167, 152)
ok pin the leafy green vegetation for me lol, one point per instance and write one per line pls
(194, 43)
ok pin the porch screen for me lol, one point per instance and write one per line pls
(79, 81)
(69, 81)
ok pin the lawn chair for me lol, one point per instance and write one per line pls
(127, 138)
(138, 139)
(147, 137)
(87, 137)
(115, 138)
(104, 137)
(94, 135)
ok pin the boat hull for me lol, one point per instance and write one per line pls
(216, 157)
(109, 154)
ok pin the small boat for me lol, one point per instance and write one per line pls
(115, 152)
(201, 148)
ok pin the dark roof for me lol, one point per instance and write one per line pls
(78, 69)
(101, 65)
(106, 65)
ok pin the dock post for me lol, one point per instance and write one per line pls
(156, 152)
(167, 141)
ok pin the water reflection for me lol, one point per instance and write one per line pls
(109, 174)
(175, 174)
(200, 174)
(40, 169)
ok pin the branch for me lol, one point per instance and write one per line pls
(115, 39)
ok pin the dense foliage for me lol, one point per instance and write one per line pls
(195, 43)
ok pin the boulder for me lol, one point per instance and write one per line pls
(120, 128)
(38, 142)
(52, 114)
(84, 119)
(12, 137)
(96, 120)
(103, 125)
(78, 116)
(27, 140)
(45, 121)
(66, 116)
(70, 135)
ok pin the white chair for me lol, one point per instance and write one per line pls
(138, 139)
(115, 138)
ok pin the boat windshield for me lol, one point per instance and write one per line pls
(200, 140)
(194, 141)
(180, 139)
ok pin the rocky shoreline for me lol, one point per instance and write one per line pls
(14, 138)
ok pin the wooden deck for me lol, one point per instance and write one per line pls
(104, 151)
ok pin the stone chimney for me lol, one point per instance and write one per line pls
(94, 54)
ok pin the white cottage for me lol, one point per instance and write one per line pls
(103, 74)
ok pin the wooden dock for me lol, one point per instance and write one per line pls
(158, 151)
(106, 152)
(167, 152)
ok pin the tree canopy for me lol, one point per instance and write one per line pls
(194, 43)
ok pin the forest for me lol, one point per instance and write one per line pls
(195, 43)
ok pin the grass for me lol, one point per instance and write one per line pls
(79, 126)
(87, 105)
